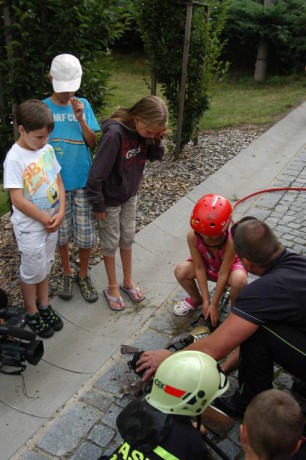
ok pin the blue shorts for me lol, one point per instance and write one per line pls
(79, 221)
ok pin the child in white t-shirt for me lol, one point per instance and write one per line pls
(31, 176)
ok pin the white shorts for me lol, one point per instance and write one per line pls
(37, 251)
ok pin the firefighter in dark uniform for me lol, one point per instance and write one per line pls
(160, 426)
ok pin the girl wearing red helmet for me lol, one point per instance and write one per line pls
(212, 258)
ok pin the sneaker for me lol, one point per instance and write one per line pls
(39, 326)
(66, 292)
(51, 318)
(88, 291)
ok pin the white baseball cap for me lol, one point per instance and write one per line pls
(66, 73)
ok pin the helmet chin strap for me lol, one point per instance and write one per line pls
(199, 421)
(214, 245)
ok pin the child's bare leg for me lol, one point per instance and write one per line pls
(110, 268)
(184, 273)
(29, 297)
(237, 280)
(84, 255)
(128, 281)
(42, 292)
(65, 259)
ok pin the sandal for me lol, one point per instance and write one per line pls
(185, 306)
(114, 303)
(132, 293)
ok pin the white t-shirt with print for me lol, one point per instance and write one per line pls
(35, 172)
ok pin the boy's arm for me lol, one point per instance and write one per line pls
(226, 338)
(27, 208)
(62, 195)
(89, 135)
(59, 216)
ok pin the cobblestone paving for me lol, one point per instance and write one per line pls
(86, 427)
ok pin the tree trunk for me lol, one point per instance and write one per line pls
(262, 54)
(261, 61)
(153, 83)
(8, 40)
(183, 80)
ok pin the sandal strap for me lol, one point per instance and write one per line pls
(134, 291)
(114, 299)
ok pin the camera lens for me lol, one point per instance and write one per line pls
(34, 351)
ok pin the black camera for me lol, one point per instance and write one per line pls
(16, 344)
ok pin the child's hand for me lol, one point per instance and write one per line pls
(46, 220)
(78, 108)
(99, 215)
(213, 313)
(51, 226)
(54, 222)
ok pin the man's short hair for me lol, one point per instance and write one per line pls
(254, 240)
(274, 424)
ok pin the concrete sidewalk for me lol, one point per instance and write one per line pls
(66, 409)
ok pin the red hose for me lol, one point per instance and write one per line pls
(268, 190)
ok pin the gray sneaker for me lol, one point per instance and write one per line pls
(88, 290)
(67, 287)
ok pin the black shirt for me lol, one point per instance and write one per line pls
(183, 443)
(149, 434)
(279, 295)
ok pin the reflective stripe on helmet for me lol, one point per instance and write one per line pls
(174, 391)
(162, 453)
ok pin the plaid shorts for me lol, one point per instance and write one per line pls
(79, 221)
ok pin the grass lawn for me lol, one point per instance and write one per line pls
(236, 101)
(241, 101)
(130, 80)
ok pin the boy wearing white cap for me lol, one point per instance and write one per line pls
(73, 136)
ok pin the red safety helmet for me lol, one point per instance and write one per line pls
(211, 215)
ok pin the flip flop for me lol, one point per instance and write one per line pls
(117, 300)
(132, 293)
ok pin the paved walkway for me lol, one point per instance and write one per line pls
(66, 406)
